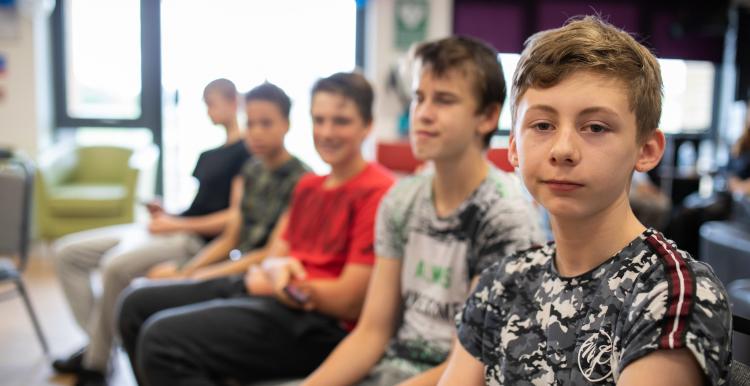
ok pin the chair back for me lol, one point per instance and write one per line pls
(499, 157)
(102, 163)
(398, 157)
(16, 185)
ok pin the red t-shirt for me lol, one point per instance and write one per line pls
(329, 228)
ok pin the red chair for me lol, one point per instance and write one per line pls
(397, 157)
(499, 157)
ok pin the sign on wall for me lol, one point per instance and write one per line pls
(412, 17)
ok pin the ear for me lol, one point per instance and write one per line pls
(650, 152)
(490, 117)
(513, 149)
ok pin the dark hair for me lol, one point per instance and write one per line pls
(271, 93)
(474, 58)
(591, 44)
(225, 87)
(351, 85)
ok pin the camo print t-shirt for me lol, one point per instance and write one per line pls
(530, 326)
(440, 256)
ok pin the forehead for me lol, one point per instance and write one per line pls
(331, 103)
(215, 96)
(457, 78)
(260, 107)
(579, 91)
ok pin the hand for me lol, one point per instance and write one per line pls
(165, 270)
(164, 223)
(154, 207)
(284, 271)
(257, 282)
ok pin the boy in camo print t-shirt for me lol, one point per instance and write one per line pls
(609, 301)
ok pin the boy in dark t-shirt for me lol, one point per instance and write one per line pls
(609, 302)
(124, 252)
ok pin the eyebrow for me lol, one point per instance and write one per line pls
(586, 111)
(599, 109)
(545, 108)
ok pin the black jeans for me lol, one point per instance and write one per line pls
(205, 332)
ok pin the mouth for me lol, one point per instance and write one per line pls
(425, 134)
(562, 185)
(328, 147)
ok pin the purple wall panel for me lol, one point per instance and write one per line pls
(691, 46)
(554, 14)
(502, 25)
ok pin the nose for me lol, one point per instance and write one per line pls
(423, 112)
(565, 150)
(323, 129)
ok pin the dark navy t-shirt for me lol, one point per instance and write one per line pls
(214, 171)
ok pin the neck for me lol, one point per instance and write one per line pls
(233, 131)
(276, 159)
(456, 178)
(584, 243)
(342, 173)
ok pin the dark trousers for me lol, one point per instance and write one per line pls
(207, 332)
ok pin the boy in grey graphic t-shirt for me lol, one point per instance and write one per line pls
(435, 233)
(441, 254)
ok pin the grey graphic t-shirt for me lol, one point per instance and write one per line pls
(530, 326)
(442, 254)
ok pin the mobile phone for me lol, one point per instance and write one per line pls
(296, 294)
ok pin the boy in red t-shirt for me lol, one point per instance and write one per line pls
(282, 318)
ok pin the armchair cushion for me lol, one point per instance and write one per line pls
(87, 200)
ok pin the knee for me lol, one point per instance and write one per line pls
(115, 274)
(64, 254)
(156, 342)
(128, 311)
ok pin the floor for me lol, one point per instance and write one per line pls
(22, 362)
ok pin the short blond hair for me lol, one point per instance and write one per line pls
(591, 44)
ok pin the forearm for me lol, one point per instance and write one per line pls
(352, 359)
(215, 251)
(336, 300)
(427, 378)
(231, 267)
(206, 225)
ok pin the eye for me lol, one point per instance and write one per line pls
(597, 128)
(443, 100)
(542, 126)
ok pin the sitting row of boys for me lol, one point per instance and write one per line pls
(336, 285)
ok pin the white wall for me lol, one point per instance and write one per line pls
(26, 109)
(381, 54)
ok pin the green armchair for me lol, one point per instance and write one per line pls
(79, 188)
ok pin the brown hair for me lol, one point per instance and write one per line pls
(270, 92)
(351, 85)
(225, 87)
(591, 44)
(473, 57)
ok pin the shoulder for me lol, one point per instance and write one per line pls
(310, 180)
(408, 188)
(374, 179)
(297, 166)
(506, 208)
(523, 266)
(376, 175)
